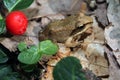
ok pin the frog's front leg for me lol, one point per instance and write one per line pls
(71, 42)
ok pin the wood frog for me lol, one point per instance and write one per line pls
(68, 30)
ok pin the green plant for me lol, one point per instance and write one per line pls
(68, 68)
(8, 60)
(12, 5)
(33, 54)
(6, 72)
(28, 58)
(3, 57)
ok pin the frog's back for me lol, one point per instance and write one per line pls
(60, 30)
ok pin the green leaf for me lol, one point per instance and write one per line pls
(28, 68)
(3, 57)
(47, 47)
(29, 56)
(17, 4)
(12, 76)
(4, 70)
(68, 68)
(2, 26)
(10, 4)
(23, 4)
(22, 46)
(1, 17)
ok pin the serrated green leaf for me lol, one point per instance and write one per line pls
(29, 56)
(47, 47)
(68, 68)
(17, 4)
(22, 46)
(2, 26)
(4, 70)
(3, 57)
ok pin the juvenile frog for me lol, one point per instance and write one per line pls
(67, 30)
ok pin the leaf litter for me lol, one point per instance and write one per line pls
(101, 43)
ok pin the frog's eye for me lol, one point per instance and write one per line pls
(80, 26)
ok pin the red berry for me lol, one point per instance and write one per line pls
(16, 23)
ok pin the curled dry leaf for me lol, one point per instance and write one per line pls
(98, 63)
(112, 36)
(112, 32)
(48, 74)
(93, 59)
(12, 44)
(80, 54)
(114, 70)
(102, 9)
